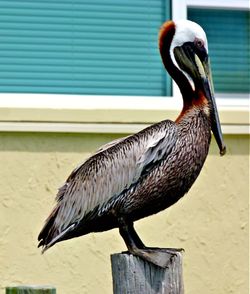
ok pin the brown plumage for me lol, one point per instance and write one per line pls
(144, 173)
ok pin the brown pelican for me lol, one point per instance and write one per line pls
(142, 174)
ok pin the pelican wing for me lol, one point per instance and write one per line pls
(107, 173)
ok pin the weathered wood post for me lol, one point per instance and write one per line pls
(31, 290)
(133, 275)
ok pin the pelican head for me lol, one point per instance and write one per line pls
(184, 50)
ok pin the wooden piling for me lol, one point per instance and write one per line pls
(133, 275)
(31, 290)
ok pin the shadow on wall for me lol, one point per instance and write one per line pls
(69, 142)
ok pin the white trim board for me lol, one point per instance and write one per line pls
(54, 101)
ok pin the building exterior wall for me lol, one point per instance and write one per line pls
(210, 223)
(54, 47)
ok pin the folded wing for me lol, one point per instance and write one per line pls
(112, 169)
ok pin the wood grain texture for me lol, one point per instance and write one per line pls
(133, 275)
(31, 290)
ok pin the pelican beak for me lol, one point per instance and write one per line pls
(196, 67)
(209, 92)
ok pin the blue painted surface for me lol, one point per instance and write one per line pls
(107, 47)
(229, 49)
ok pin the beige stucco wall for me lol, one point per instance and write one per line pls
(211, 222)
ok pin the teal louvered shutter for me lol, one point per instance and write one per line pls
(100, 47)
(228, 40)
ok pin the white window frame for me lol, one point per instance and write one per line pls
(79, 113)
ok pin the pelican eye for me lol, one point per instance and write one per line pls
(199, 43)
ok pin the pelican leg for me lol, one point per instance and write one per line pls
(129, 235)
(138, 242)
(158, 256)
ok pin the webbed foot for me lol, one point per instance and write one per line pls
(161, 257)
(169, 250)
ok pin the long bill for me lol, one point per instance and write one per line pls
(198, 74)
(215, 121)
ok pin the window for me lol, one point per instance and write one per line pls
(83, 47)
